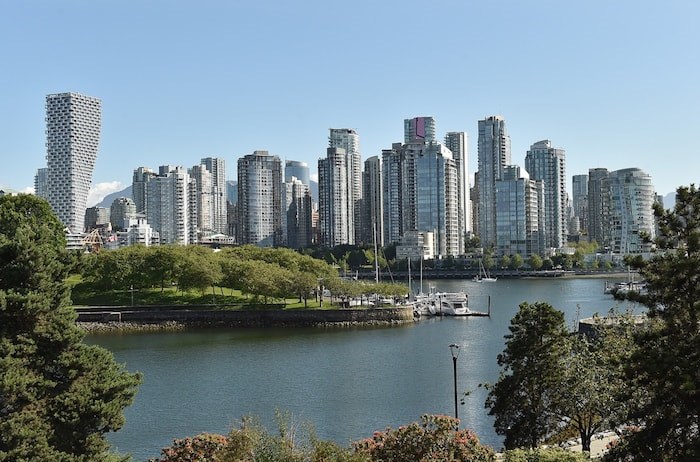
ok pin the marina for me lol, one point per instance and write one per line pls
(347, 382)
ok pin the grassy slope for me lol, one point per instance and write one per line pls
(84, 295)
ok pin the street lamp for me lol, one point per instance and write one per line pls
(454, 349)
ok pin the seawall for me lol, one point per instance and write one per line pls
(162, 316)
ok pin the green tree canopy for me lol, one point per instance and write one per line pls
(58, 396)
(535, 262)
(524, 397)
(663, 405)
(516, 261)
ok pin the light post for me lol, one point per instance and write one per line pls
(454, 349)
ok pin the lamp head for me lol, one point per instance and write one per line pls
(454, 349)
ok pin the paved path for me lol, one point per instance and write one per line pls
(599, 445)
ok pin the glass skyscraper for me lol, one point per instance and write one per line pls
(548, 164)
(493, 156)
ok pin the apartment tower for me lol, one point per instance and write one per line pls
(372, 201)
(457, 143)
(348, 140)
(217, 168)
(493, 155)
(73, 124)
(260, 200)
(579, 191)
(547, 164)
(335, 219)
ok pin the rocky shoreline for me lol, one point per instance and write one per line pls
(129, 327)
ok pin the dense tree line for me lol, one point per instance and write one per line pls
(262, 273)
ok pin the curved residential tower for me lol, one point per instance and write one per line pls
(72, 136)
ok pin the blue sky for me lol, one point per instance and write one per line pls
(615, 83)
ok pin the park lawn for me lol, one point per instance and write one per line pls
(225, 298)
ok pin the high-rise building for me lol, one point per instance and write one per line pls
(96, 216)
(547, 164)
(457, 143)
(260, 200)
(298, 170)
(73, 124)
(419, 130)
(420, 189)
(579, 191)
(518, 221)
(121, 211)
(297, 216)
(40, 182)
(392, 194)
(436, 198)
(203, 199)
(630, 211)
(372, 201)
(217, 168)
(141, 177)
(598, 206)
(493, 156)
(334, 217)
(168, 205)
(348, 140)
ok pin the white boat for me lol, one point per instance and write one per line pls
(437, 303)
(483, 275)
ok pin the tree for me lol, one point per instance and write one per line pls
(593, 376)
(163, 264)
(523, 398)
(663, 406)
(199, 269)
(58, 396)
(505, 262)
(535, 262)
(516, 261)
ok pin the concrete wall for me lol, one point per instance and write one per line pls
(248, 318)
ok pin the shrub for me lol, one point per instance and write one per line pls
(434, 438)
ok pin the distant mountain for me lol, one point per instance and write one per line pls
(109, 198)
(670, 200)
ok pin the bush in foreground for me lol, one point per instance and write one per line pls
(435, 438)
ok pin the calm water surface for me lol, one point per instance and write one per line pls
(346, 382)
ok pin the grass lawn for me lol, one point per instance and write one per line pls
(85, 295)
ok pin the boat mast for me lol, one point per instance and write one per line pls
(410, 291)
(376, 256)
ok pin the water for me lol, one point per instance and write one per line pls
(346, 382)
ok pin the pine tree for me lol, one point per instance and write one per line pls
(663, 403)
(58, 396)
(523, 400)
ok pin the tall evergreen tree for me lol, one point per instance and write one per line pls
(58, 396)
(663, 405)
(523, 400)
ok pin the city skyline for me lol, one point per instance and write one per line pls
(202, 82)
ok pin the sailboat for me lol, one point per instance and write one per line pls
(483, 275)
